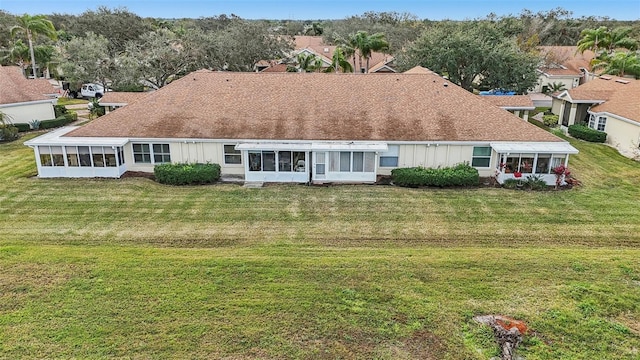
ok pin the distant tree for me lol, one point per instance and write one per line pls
(32, 26)
(471, 52)
(339, 62)
(620, 63)
(241, 45)
(362, 45)
(18, 53)
(314, 29)
(160, 56)
(308, 62)
(603, 39)
(555, 87)
(87, 59)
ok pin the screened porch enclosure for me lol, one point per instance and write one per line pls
(531, 159)
(310, 162)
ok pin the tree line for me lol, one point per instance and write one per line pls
(129, 51)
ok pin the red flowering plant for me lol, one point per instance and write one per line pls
(518, 175)
(561, 173)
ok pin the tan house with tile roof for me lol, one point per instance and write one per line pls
(565, 65)
(353, 129)
(314, 45)
(24, 100)
(607, 103)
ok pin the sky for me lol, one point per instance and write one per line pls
(328, 9)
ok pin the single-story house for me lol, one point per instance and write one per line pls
(607, 103)
(314, 45)
(112, 100)
(564, 65)
(519, 105)
(24, 100)
(346, 128)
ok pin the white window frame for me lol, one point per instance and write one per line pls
(165, 156)
(602, 123)
(151, 153)
(391, 153)
(473, 157)
(233, 154)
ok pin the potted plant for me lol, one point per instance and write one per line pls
(518, 175)
(561, 172)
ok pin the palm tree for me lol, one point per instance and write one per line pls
(620, 64)
(607, 40)
(32, 26)
(350, 48)
(370, 43)
(308, 62)
(593, 39)
(339, 62)
(619, 39)
(19, 54)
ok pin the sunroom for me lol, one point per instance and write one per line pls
(531, 159)
(78, 157)
(305, 162)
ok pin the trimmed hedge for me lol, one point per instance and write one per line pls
(579, 131)
(186, 174)
(22, 127)
(60, 110)
(50, 124)
(550, 120)
(459, 175)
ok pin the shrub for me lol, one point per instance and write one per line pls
(60, 110)
(61, 121)
(510, 184)
(186, 174)
(8, 132)
(550, 120)
(582, 132)
(22, 127)
(459, 175)
(535, 182)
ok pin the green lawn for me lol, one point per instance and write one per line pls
(130, 268)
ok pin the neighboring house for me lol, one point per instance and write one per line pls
(24, 100)
(607, 103)
(112, 100)
(348, 128)
(563, 65)
(519, 105)
(314, 45)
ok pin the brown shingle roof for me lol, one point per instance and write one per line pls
(521, 101)
(567, 56)
(116, 97)
(290, 106)
(15, 88)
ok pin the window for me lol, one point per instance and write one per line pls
(542, 166)
(347, 161)
(231, 155)
(284, 161)
(45, 156)
(97, 154)
(161, 153)
(481, 156)
(389, 158)
(320, 163)
(72, 156)
(255, 160)
(141, 153)
(592, 121)
(120, 157)
(145, 153)
(526, 163)
(602, 122)
(56, 155)
(268, 161)
(85, 157)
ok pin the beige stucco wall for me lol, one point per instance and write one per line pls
(28, 112)
(434, 156)
(187, 152)
(556, 106)
(569, 82)
(624, 136)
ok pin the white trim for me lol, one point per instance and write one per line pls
(618, 117)
(55, 138)
(529, 148)
(313, 146)
(27, 103)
